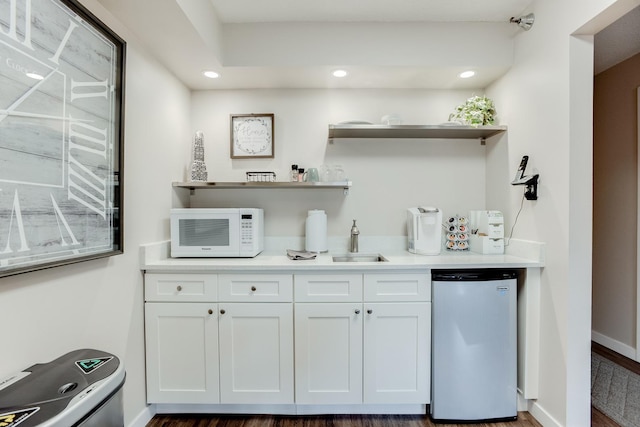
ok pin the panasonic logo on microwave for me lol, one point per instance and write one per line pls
(206, 249)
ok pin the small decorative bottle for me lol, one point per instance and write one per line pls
(293, 176)
(300, 174)
(198, 169)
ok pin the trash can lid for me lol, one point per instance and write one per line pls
(68, 388)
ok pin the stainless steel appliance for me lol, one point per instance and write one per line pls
(474, 354)
(82, 388)
(424, 230)
(217, 232)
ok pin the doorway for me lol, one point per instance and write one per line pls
(616, 292)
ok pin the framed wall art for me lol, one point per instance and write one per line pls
(252, 136)
(61, 136)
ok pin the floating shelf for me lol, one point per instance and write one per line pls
(353, 131)
(193, 185)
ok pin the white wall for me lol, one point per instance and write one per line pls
(615, 184)
(547, 98)
(98, 304)
(389, 175)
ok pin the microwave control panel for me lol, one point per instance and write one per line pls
(246, 229)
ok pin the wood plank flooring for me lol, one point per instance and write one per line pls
(524, 420)
(617, 358)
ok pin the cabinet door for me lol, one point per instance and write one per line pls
(328, 353)
(182, 352)
(256, 352)
(397, 348)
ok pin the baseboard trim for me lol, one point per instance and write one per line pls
(615, 345)
(542, 416)
(289, 409)
(143, 418)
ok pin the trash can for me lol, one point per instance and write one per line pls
(81, 388)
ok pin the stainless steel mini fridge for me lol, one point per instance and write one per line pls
(474, 345)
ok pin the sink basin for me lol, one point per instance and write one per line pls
(360, 258)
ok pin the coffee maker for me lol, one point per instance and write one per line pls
(424, 230)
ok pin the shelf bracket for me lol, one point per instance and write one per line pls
(483, 141)
(345, 191)
(192, 191)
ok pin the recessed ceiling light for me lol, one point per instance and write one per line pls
(211, 74)
(339, 73)
(467, 74)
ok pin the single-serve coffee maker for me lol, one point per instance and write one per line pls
(424, 230)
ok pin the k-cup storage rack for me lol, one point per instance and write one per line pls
(365, 131)
(457, 233)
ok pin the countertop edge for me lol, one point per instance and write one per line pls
(154, 257)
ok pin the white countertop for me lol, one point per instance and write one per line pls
(521, 254)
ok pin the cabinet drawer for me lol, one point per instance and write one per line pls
(328, 287)
(391, 287)
(255, 287)
(180, 287)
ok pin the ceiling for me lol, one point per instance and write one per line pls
(252, 11)
(618, 41)
(298, 43)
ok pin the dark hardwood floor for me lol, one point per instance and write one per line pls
(621, 360)
(524, 420)
(598, 419)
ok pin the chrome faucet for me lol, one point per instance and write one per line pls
(353, 246)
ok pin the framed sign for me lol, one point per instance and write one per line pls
(252, 136)
(61, 135)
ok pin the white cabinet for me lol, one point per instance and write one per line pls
(405, 287)
(364, 339)
(256, 352)
(328, 287)
(180, 287)
(233, 338)
(256, 287)
(328, 353)
(223, 349)
(182, 352)
(397, 338)
(397, 348)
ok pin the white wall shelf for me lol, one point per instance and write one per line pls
(197, 185)
(361, 131)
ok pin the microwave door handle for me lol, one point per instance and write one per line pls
(417, 227)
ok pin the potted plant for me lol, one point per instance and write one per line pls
(477, 111)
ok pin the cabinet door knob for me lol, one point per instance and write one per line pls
(253, 288)
(179, 288)
(369, 311)
(222, 312)
(357, 311)
(210, 311)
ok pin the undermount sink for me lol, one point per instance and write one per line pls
(360, 258)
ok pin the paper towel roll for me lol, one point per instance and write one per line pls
(316, 231)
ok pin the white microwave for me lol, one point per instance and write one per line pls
(216, 232)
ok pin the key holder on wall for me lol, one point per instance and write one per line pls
(530, 181)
